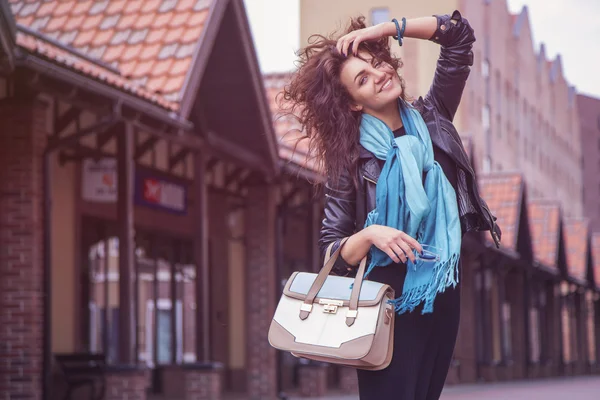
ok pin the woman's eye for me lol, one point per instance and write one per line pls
(378, 64)
(363, 80)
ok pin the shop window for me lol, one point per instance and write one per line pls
(496, 325)
(590, 328)
(164, 339)
(566, 337)
(534, 335)
(506, 331)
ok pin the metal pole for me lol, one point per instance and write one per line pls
(47, 277)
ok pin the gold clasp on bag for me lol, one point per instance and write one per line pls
(331, 306)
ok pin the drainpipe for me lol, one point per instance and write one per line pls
(47, 285)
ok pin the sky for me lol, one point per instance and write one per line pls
(567, 27)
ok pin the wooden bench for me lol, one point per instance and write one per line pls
(81, 370)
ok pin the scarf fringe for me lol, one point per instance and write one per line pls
(446, 274)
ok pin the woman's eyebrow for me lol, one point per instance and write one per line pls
(359, 74)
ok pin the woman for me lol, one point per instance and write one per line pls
(398, 179)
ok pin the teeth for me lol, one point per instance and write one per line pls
(388, 83)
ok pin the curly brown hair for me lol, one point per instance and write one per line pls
(322, 105)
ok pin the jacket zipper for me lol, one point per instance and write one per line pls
(370, 180)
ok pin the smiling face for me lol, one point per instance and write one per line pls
(374, 85)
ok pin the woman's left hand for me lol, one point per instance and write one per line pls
(355, 38)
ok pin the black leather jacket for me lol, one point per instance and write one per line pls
(346, 206)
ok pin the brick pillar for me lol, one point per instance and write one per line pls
(313, 380)
(126, 383)
(260, 292)
(22, 141)
(348, 380)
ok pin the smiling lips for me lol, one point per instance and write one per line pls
(386, 85)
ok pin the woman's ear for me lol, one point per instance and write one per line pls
(356, 107)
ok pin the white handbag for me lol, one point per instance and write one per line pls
(326, 318)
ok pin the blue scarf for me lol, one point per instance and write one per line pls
(428, 212)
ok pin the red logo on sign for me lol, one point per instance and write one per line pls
(152, 190)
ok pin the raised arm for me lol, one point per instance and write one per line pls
(456, 38)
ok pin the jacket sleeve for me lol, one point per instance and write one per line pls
(339, 219)
(454, 63)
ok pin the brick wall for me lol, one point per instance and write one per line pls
(261, 292)
(313, 380)
(203, 385)
(126, 384)
(348, 380)
(22, 142)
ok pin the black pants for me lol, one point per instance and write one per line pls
(423, 347)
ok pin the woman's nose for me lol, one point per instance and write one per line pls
(378, 75)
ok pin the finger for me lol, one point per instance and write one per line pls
(407, 250)
(355, 45)
(338, 45)
(345, 47)
(412, 242)
(392, 255)
(398, 250)
(347, 43)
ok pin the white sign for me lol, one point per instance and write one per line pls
(99, 180)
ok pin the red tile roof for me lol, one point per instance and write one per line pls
(158, 35)
(289, 135)
(596, 257)
(503, 193)
(544, 222)
(94, 70)
(576, 246)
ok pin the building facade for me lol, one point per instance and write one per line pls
(517, 108)
(589, 117)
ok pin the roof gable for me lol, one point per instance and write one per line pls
(503, 193)
(595, 244)
(544, 219)
(576, 245)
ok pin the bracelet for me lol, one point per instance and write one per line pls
(399, 31)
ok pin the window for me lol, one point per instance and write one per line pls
(498, 93)
(487, 165)
(499, 125)
(379, 15)
(485, 117)
(485, 68)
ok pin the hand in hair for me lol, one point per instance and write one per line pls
(351, 41)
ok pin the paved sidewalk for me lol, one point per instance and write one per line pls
(579, 388)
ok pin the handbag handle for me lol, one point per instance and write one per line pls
(322, 276)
